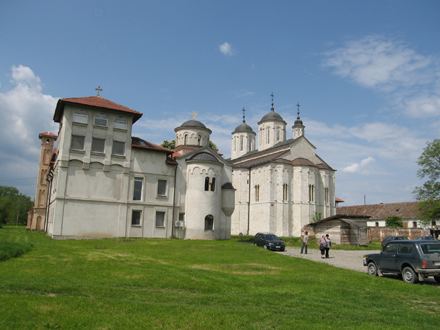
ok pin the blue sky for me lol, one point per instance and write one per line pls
(367, 74)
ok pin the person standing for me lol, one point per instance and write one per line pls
(328, 245)
(322, 245)
(304, 242)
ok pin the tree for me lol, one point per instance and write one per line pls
(429, 193)
(172, 145)
(13, 206)
(395, 222)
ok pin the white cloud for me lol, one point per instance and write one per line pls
(25, 112)
(358, 167)
(226, 49)
(408, 79)
(374, 61)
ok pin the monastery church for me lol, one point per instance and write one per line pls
(97, 180)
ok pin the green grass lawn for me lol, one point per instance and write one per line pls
(119, 284)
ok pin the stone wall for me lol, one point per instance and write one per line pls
(378, 233)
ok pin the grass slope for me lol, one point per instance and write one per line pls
(110, 284)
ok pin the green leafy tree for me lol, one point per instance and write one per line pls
(395, 222)
(429, 193)
(13, 206)
(172, 145)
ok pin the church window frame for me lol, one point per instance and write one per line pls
(100, 120)
(268, 136)
(162, 187)
(285, 192)
(278, 133)
(138, 188)
(98, 145)
(241, 143)
(118, 148)
(257, 192)
(209, 222)
(207, 183)
(77, 142)
(80, 118)
(212, 184)
(185, 139)
(326, 195)
(159, 219)
(311, 193)
(199, 139)
(136, 218)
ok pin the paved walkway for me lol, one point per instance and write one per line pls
(338, 258)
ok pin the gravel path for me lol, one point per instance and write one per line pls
(338, 258)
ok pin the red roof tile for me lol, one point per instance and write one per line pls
(408, 210)
(47, 134)
(142, 144)
(95, 102)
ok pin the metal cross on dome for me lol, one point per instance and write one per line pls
(98, 90)
(297, 112)
(194, 115)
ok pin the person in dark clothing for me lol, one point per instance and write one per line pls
(328, 245)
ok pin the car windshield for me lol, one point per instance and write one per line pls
(430, 248)
(271, 237)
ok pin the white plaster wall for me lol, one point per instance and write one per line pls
(272, 128)
(195, 137)
(248, 144)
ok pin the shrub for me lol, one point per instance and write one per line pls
(395, 222)
(13, 249)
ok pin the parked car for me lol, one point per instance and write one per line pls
(269, 241)
(426, 238)
(414, 260)
(393, 238)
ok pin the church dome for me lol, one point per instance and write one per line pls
(193, 123)
(271, 116)
(243, 128)
(203, 156)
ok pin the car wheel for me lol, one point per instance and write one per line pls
(283, 249)
(409, 275)
(372, 269)
(437, 278)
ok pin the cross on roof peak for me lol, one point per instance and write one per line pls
(273, 107)
(194, 115)
(98, 90)
(244, 114)
(297, 111)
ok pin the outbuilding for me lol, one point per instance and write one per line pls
(342, 229)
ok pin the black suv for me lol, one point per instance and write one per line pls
(393, 238)
(414, 260)
(269, 241)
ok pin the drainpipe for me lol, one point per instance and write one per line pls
(174, 202)
(249, 201)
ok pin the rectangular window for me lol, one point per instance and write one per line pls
(160, 219)
(207, 183)
(77, 142)
(257, 193)
(161, 187)
(98, 145)
(326, 195)
(182, 216)
(137, 189)
(209, 223)
(101, 120)
(118, 148)
(136, 217)
(285, 192)
(80, 118)
(120, 123)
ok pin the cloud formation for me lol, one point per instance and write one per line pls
(410, 79)
(226, 49)
(358, 167)
(25, 111)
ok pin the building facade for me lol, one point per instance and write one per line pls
(281, 186)
(103, 182)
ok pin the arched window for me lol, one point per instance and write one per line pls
(285, 192)
(199, 140)
(185, 139)
(241, 142)
(257, 193)
(213, 184)
(207, 183)
(278, 133)
(209, 222)
(267, 136)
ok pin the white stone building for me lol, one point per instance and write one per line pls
(105, 183)
(282, 186)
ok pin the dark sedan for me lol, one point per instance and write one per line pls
(269, 241)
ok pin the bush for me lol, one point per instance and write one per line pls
(395, 222)
(13, 249)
